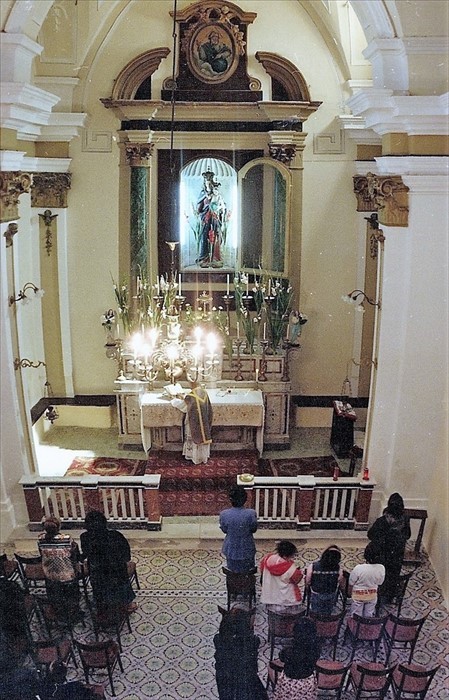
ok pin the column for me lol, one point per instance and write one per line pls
(139, 157)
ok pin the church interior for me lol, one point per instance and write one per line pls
(273, 171)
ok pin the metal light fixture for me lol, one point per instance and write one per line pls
(22, 295)
(51, 414)
(25, 362)
(358, 297)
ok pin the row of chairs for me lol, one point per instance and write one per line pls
(366, 679)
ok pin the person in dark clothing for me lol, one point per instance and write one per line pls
(297, 678)
(391, 532)
(107, 553)
(236, 650)
(323, 578)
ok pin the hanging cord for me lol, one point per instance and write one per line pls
(173, 87)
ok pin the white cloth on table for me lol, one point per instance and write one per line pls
(198, 454)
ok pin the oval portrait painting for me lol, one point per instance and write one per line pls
(212, 55)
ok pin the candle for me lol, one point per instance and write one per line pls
(157, 288)
(238, 330)
(264, 331)
(257, 375)
(269, 287)
(247, 288)
(227, 285)
(179, 284)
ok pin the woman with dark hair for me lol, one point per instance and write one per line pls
(60, 557)
(280, 579)
(364, 581)
(108, 553)
(322, 580)
(236, 650)
(297, 679)
(239, 523)
(391, 532)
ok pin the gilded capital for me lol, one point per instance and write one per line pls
(12, 185)
(385, 194)
(138, 154)
(50, 190)
(282, 152)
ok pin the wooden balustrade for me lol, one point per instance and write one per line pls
(306, 502)
(131, 502)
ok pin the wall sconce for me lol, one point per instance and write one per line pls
(357, 298)
(22, 295)
(28, 363)
(51, 414)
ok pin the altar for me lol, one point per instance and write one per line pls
(238, 420)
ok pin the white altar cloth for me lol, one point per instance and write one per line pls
(230, 407)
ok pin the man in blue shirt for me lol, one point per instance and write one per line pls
(239, 523)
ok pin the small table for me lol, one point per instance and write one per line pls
(342, 433)
(232, 408)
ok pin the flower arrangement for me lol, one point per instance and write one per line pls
(108, 319)
(249, 322)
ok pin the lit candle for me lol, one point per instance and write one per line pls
(227, 286)
(238, 330)
(179, 284)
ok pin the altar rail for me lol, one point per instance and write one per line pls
(127, 502)
(301, 502)
(307, 502)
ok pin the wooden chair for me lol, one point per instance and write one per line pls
(401, 632)
(274, 669)
(132, 574)
(241, 586)
(328, 627)
(9, 568)
(31, 571)
(44, 652)
(100, 655)
(369, 680)
(280, 626)
(111, 619)
(250, 615)
(412, 681)
(330, 678)
(365, 629)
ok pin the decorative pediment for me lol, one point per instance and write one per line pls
(212, 64)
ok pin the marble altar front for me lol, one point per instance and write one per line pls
(238, 419)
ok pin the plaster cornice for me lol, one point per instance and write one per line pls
(386, 113)
(12, 161)
(412, 165)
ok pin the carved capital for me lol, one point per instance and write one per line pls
(139, 154)
(385, 194)
(50, 190)
(12, 185)
(284, 153)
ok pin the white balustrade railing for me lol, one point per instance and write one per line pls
(308, 501)
(126, 501)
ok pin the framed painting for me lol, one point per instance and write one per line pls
(212, 53)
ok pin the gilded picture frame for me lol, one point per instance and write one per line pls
(212, 53)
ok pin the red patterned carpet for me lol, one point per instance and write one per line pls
(200, 489)
(106, 466)
(293, 466)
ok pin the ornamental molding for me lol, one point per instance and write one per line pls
(386, 195)
(50, 190)
(139, 154)
(386, 113)
(284, 153)
(12, 185)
